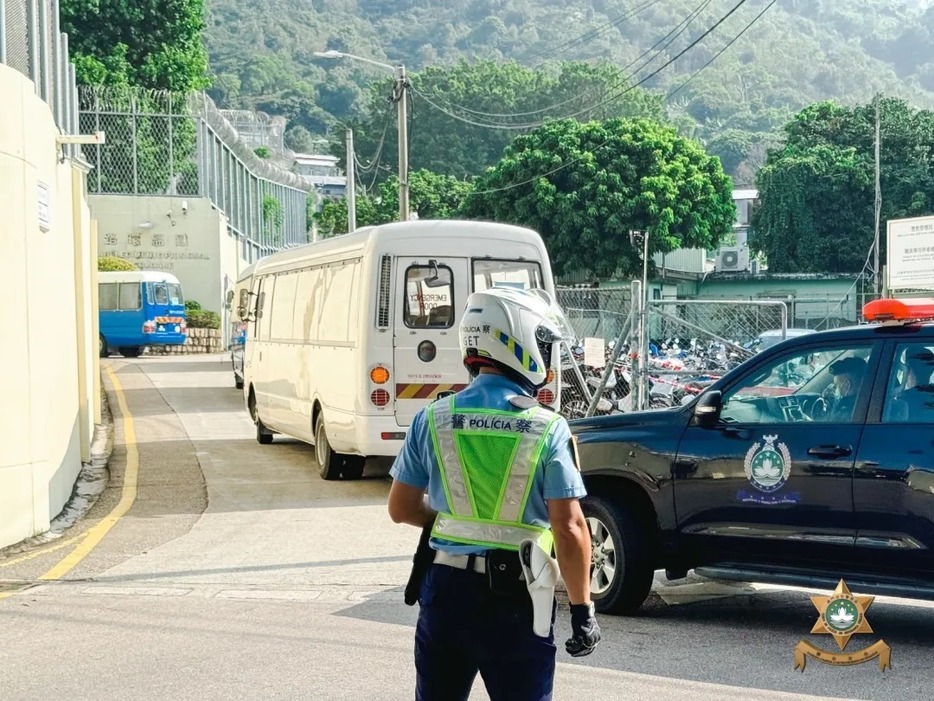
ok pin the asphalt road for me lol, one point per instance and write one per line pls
(236, 572)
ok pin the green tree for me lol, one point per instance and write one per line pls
(817, 191)
(431, 196)
(149, 43)
(583, 187)
(464, 147)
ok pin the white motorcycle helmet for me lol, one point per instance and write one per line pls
(513, 330)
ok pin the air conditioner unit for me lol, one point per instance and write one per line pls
(733, 259)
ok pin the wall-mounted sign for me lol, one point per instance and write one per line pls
(910, 253)
(44, 204)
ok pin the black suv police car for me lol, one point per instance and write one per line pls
(812, 461)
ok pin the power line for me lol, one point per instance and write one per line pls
(851, 288)
(606, 141)
(717, 55)
(608, 100)
(576, 98)
(590, 34)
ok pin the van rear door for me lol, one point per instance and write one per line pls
(427, 358)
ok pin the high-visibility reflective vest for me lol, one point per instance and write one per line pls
(488, 460)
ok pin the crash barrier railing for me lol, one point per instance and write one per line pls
(663, 353)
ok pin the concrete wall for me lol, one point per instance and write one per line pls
(49, 355)
(156, 234)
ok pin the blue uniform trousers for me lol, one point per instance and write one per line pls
(464, 628)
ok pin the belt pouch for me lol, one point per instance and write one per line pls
(504, 573)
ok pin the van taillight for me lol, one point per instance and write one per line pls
(379, 375)
(548, 395)
(149, 327)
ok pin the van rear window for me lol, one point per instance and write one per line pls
(429, 297)
(489, 273)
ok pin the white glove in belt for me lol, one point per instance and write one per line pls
(541, 576)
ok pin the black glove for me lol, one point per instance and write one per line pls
(585, 632)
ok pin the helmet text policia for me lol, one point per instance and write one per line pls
(513, 330)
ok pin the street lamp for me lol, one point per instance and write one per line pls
(399, 97)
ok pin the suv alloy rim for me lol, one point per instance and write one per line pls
(603, 551)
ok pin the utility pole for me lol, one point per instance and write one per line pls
(402, 116)
(351, 184)
(877, 272)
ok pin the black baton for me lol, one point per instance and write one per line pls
(421, 561)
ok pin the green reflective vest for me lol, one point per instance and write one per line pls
(488, 459)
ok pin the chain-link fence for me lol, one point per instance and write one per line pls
(595, 311)
(624, 360)
(162, 143)
(31, 43)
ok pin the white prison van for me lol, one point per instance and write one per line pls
(349, 337)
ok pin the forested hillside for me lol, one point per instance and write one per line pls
(800, 51)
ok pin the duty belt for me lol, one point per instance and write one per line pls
(461, 562)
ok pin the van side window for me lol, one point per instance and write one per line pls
(309, 295)
(283, 304)
(130, 296)
(263, 305)
(489, 273)
(429, 297)
(108, 296)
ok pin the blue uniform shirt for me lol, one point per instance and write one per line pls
(557, 477)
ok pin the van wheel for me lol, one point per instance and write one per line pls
(622, 572)
(263, 434)
(329, 462)
(353, 467)
(103, 350)
(130, 351)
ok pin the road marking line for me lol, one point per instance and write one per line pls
(43, 551)
(95, 534)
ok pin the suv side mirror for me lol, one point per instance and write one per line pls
(707, 409)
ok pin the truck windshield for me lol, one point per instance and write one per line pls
(489, 273)
(175, 294)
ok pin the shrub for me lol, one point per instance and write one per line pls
(203, 319)
(111, 264)
(192, 306)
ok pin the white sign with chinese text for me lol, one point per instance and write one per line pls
(595, 352)
(910, 253)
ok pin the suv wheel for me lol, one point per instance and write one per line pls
(621, 574)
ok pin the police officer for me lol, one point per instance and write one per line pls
(498, 470)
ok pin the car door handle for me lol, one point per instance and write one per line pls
(830, 451)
